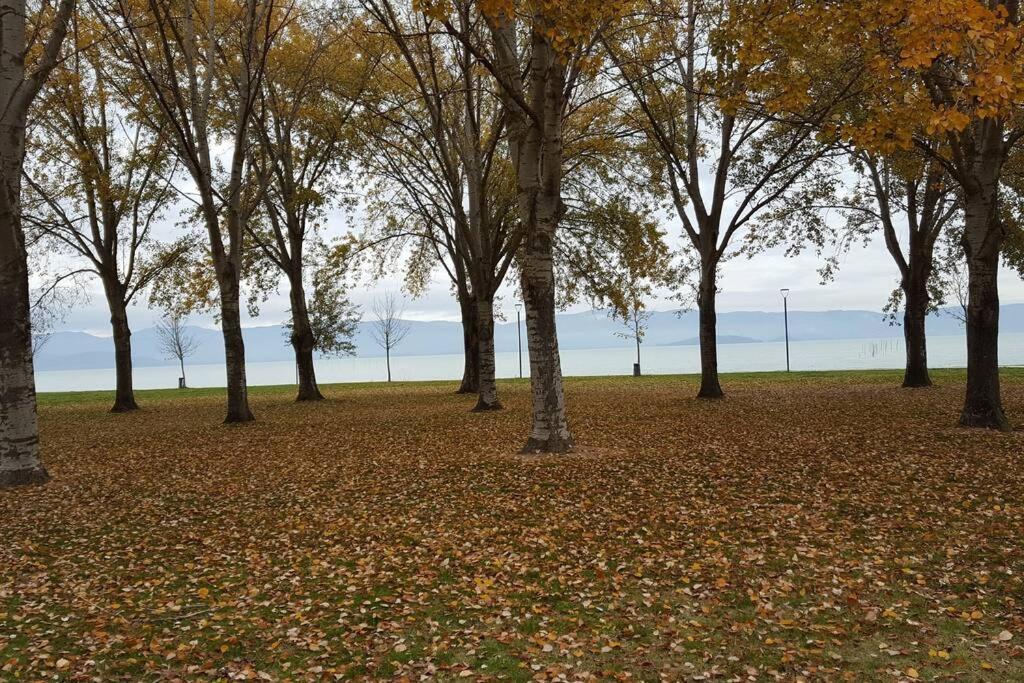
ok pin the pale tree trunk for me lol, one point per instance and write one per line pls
(19, 427)
(20, 462)
(550, 431)
(303, 342)
(471, 346)
(982, 241)
(488, 394)
(708, 333)
(234, 347)
(387, 360)
(124, 394)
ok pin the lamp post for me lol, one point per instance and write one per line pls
(519, 333)
(785, 317)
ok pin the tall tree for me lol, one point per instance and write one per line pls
(918, 193)
(952, 72)
(441, 120)
(538, 53)
(26, 60)
(314, 78)
(195, 70)
(726, 162)
(99, 208)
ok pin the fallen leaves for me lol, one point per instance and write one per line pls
(785, 533)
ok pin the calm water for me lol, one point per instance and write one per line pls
(841, 354)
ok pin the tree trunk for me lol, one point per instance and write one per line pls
(387, 359)
(982, 240)
(124, 394)
(916, 293)
(488, 396)
(234, 349)
(550, 431)
(471, 347)
(709, 385)
(303, 342)
(184, 382)
(19, 426)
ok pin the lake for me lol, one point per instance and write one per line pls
(837, 354)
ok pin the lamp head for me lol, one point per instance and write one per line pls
(785, 292)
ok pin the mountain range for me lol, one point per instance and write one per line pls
(586, 330)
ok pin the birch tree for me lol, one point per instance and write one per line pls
(26, 60)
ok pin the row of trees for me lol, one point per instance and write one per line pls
(499, 140)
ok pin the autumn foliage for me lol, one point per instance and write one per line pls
(340, 541)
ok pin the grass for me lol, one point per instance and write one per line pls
(823, 526)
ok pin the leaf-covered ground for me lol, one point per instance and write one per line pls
(819, 527)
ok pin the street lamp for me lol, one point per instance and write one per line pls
(785, 317)
(519, 333)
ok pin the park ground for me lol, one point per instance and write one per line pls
(810, 526)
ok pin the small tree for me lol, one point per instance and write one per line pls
(388, 329)
(176, 341)
(634, 318)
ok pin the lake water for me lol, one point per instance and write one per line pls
(839, 354)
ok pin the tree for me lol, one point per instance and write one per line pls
(332, 318)
(916, 190)
(437, 117)
(308, 98)
(97, 182)
(950, 72)
(195, 70)
(634, 319)
(388, 328)
(176, 341)
(537, 53)
(727, 163)
(26, 60)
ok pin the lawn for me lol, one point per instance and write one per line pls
(814, 526)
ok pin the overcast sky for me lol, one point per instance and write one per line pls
(865, 280)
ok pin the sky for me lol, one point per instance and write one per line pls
(866, 278)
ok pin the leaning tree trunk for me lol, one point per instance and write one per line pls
(303, 342)
(709, 385)
(471, 347)
(916, 293)
(550, 431)
(124, 394)
(234, 348)
(19, 427)
(488, 395)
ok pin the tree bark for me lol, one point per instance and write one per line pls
(234, 349)
(488, 394)
(550, 430)
(124, 394)
(915, 291)
(916, 373)
(303, 342)
(471, 347)
(709, 385)
(387, 360)
(19, 427)
(982, 240)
